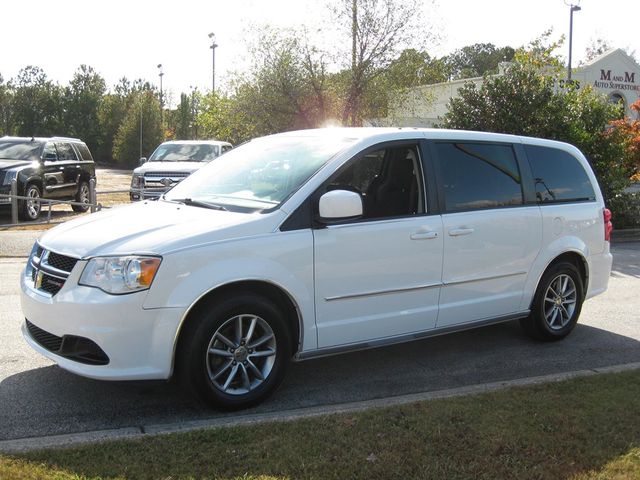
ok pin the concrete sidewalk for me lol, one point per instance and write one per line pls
(18, 243)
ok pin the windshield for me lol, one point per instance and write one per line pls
(20, 150)
(258, 175)
(185, 152)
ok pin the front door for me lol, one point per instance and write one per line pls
(379, 276)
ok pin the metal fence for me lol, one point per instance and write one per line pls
(14, 198)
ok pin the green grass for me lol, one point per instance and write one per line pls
(586, 428)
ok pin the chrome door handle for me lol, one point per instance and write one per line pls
(424, 235)
(456, 232)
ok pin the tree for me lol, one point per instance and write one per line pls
(287, 86)
(5, 108)
(596, 48)
(224, 118)
(37, 106)
(379, 31)
(82, 101)
(129, 145)
(477, 60)
(183, 118)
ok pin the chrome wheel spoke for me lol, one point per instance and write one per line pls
(252, 327)
(246, 383)
(255, 370)
(262, 353)
(232, 375)
(222, 370)
(225, 340)
(261, 341)
(220, 353)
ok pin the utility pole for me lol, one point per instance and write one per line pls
(161, 74)
(572, 8)
(354, 58)
(213, 47)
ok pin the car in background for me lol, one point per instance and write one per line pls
(171, 163)
(56, 168)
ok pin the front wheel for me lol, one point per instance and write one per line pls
(557, 303)
(82, 197)
(30, 208)
(237, 353)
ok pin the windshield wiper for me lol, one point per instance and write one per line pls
(199, 203)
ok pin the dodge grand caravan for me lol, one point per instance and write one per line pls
(318, 242)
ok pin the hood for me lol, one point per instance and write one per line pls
(153, 228)
(168, 167)
(13, 163)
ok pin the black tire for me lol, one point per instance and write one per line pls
(30, 209)
(202, 369)
(557, 303)
(82, 196)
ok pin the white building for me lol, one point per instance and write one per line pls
(614, 74)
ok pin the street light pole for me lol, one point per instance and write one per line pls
(161, 74)
(213, 47)
(572, 8)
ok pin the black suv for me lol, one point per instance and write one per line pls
(58, 168)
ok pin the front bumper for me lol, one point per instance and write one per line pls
(136, 194)
(139, 343)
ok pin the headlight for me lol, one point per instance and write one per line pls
(8, 176)
(137, 180)
(118, 275)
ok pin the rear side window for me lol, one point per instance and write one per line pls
(66, 152)
(84, 151)
(478, 176)
(558, 176)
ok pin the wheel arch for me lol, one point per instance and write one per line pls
(574, 257)
(269, 290)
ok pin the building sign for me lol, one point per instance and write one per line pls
(613, 81)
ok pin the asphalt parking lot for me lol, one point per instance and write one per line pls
(38, 398)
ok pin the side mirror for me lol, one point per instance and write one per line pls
(142, 160)
(50, 157)
(340, 205)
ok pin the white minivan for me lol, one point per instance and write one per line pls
(311, 243)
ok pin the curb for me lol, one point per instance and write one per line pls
(74, 439)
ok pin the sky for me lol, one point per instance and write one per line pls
(130, 38)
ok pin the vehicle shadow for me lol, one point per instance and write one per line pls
(49, 400)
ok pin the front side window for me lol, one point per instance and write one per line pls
(259, 175)
(388, 180)
(478, 176)
(558, 176)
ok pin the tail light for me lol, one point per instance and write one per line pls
(608, 226)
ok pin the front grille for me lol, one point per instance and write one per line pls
(44, 339)
(155, 175)
(61, 262)
(49, 270)
(80, 349)
(51, 284)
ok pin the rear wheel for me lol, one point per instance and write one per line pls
(82, 197)
(30, 208)
(237, 353)
(557, 303)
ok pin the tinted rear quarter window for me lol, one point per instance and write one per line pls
(84, 151)
(478, 176)
(558, 176)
